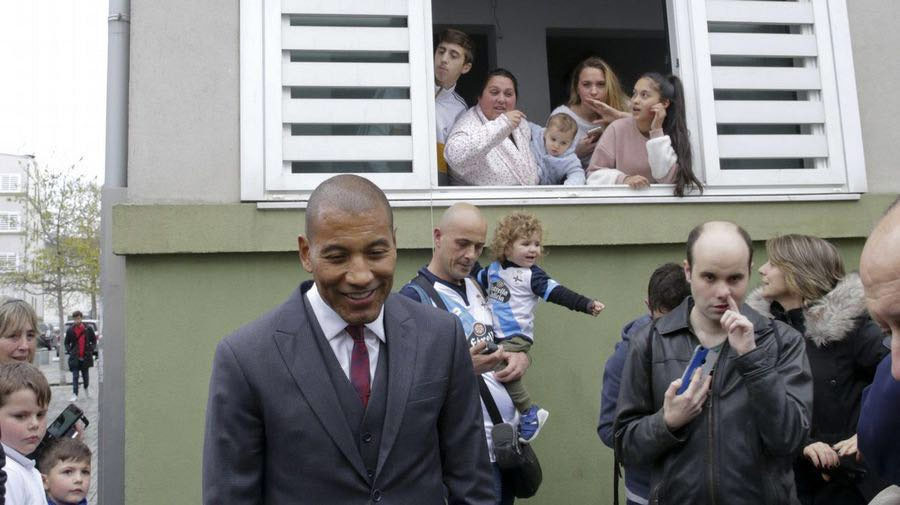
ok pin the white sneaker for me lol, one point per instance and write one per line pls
(74, 398)
(87, 392)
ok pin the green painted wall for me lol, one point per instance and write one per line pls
(180, 305)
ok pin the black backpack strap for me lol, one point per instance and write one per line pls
(488, 400)
(421, 281)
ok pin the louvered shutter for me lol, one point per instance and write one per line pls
(10, 183)
(9, 262)
(775, 92)
(347, 89)
(9, 221)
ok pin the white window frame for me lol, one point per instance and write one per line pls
(264, 178)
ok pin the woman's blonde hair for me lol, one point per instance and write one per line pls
(615, 98)
(511, 228)
(811, 266)
(14, 314)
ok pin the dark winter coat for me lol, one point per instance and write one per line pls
(71, 344)
(844, 347)
(741, 447)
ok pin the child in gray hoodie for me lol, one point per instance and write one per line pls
(556, 160)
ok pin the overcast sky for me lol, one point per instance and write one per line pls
(53, 81)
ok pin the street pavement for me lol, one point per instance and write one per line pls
(59, 400)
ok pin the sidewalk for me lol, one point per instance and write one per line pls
(60, 400)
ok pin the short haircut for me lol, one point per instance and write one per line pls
(667, 288)
(453, 36)
(14, 315)
(812, 267)
(348, 193)
(511, 228)
(562, 122)
(64, 449)
(18, 375)
(695, 234)
(77, 313)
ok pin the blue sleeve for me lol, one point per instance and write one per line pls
(609, 393)
(410, 292)
(541, 283)
(482, 278)
(574, 173)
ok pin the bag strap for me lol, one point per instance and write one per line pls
(421, 281)
(488, 400)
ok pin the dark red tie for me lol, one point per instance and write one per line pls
(359, 364)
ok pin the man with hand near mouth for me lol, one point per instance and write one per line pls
(346, 393)
(453, 57)
(730, 437)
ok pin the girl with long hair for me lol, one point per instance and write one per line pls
(650, 146)
(595, 100)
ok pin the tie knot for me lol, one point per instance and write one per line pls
(356, 332)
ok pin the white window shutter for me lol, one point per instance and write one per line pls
(9, 262)
(346, 85)
(10, 183)
(9, 221)
(774, 90)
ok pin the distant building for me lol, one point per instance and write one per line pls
(13, 178)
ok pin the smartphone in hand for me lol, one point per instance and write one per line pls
(704, 359)
(594, 133)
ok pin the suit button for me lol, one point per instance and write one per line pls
(376, 495)
(370, 473)
(367, 437)
(833, 382)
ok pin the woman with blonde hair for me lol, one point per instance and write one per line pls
(596, 99)
(18, 330)
(804, 284)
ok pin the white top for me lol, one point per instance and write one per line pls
(334, 329)
(23, 481)
(448, 106)
(473, 310)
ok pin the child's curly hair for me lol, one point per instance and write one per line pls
(512, 227)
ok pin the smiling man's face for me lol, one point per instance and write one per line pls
(352, 259)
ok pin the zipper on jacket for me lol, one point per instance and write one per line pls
(710, 406)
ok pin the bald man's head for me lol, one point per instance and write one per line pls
(879, 269)
(458, 242)
(723, 227)
(347, 193)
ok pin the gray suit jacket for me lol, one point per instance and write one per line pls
(276, 434)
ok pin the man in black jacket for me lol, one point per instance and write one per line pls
(730, 437)
(80, 343)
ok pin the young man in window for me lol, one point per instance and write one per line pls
(452, 58)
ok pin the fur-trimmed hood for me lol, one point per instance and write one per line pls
(829, 319)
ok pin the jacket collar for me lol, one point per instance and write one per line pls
(830, 318)
(679, 320)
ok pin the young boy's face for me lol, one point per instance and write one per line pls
(68, 482)
(524, 251)
(556, 141)
(449, 63)
(22, 421)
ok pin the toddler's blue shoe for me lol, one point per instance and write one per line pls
(531, 422)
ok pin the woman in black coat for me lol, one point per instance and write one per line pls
(804, 284)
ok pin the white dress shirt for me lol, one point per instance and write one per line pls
(335, 330)
(23, 482)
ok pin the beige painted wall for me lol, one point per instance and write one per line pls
(184, 104)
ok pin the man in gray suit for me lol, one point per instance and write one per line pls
(346, 393)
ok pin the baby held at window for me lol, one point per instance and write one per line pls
(651, 146)
(557, 163)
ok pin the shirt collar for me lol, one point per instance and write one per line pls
(18, 457)
(332, 324)
(438, 88)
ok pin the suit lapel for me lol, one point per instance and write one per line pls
(294, 339)
(402, 343)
